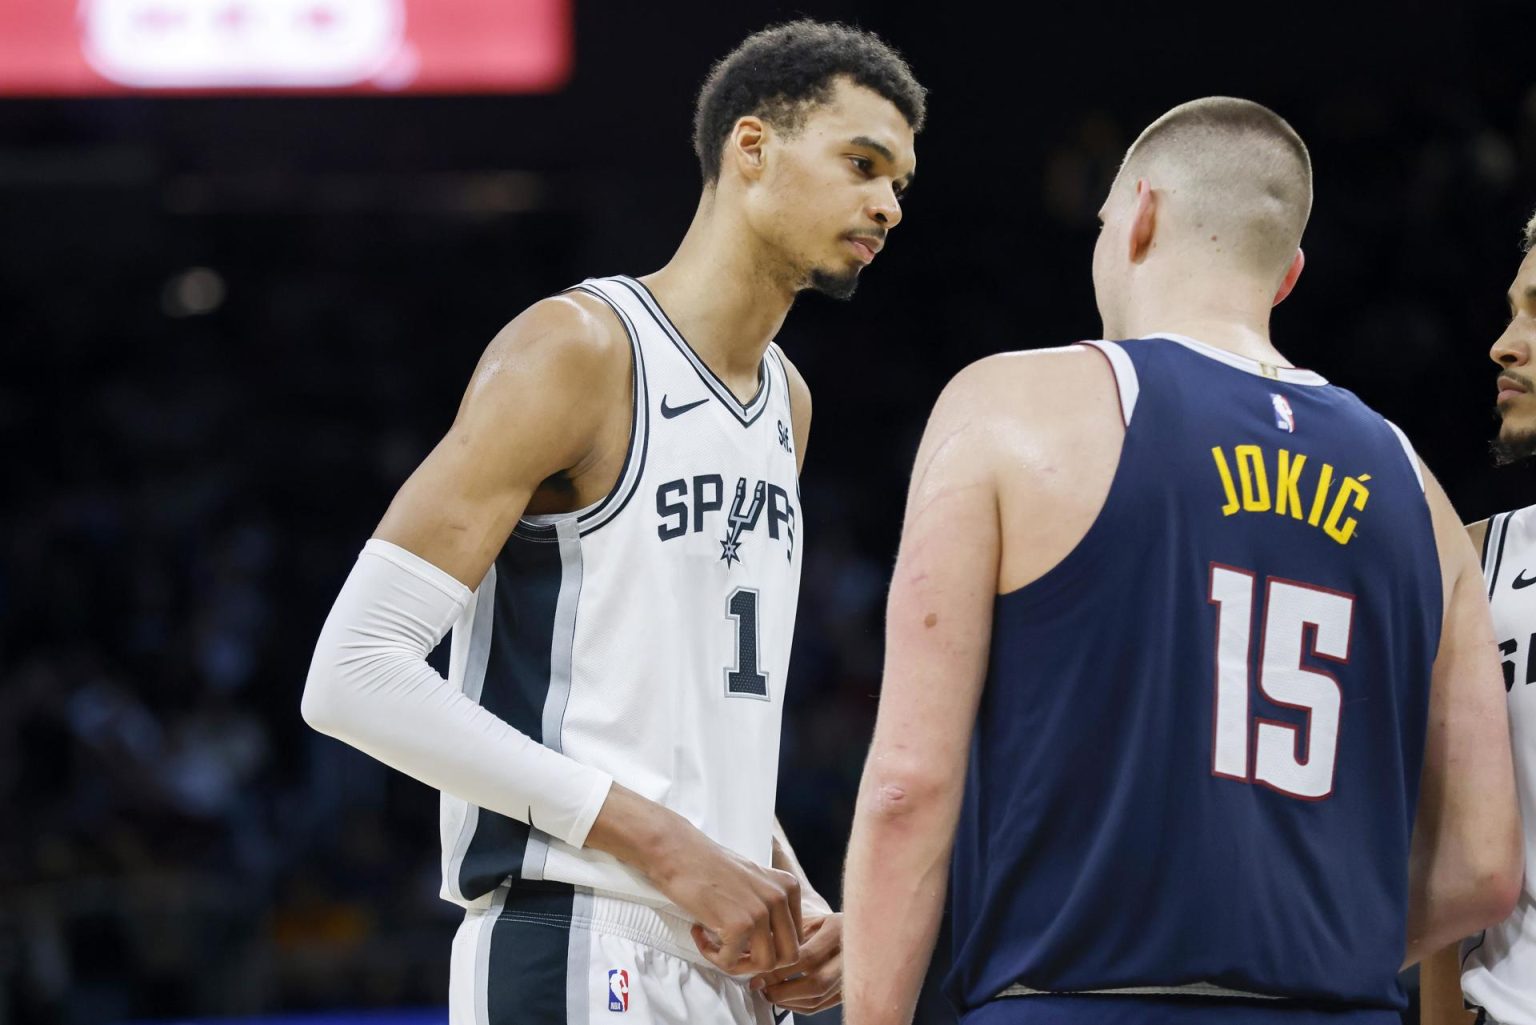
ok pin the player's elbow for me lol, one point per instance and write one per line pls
(322, 706)
(1495, 886)
(1487, 886)
(330, 704)
(895, 792)
(1501, 870)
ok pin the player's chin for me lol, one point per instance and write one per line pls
(836, 284)
(1516, 441)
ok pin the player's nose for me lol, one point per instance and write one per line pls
(884, 208)
(1511, 349)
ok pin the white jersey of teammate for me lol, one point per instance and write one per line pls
(649, 634)
(1499, 966)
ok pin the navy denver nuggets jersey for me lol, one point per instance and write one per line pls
(1196, 760)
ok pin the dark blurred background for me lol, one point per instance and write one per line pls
(232, 326)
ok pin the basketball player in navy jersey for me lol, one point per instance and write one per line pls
(1496, 973)
(1180, 639)
(610, 528)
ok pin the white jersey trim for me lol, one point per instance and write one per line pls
(1126, 380)
(1493, 549)
(746, 413)
(1290, 375)
(1413, 457)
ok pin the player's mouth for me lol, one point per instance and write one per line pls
(865, 247)
(1511, 387)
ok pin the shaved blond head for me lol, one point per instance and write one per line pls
(1231, 173)
(1530, 234)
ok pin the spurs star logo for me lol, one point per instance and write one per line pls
(730, 545)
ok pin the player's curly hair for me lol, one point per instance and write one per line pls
(782, 72)
(1530, 234)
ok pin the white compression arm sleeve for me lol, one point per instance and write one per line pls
(370, 685)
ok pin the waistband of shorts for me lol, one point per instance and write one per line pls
(601, 912)
(618, 916)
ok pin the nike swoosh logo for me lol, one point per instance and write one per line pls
(669, 412)
(1520, 581)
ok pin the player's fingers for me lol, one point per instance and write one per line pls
(785, 948)
(722, 955)
(813, 1006)
(795, 911)
(807, 989)
(814, 953)
(763, 955)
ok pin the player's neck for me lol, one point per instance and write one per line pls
(716, 293)
(1231, 317)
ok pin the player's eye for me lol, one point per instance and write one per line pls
(864, 165)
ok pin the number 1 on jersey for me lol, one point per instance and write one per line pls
(745, 680)
(1283, 757)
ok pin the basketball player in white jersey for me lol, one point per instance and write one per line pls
(1497, 968)
(611, 530)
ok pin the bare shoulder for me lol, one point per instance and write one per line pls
(1043, 429)
(1033, 369)
(1031, 387)
(549, 388)
(569, 339)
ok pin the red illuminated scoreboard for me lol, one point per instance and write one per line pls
(107, 47)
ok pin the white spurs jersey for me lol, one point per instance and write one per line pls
(1498, 970)
(647, 635)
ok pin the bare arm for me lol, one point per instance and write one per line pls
(1465, 870)
(1440, 1000)
(534, 408)
(938, 628)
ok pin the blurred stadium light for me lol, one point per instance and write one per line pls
(233, 46)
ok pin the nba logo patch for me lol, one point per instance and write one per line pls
(618, 989)
(1284, 418)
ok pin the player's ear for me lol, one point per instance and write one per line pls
(1143, 221)
(746, 147)
(1290, 277)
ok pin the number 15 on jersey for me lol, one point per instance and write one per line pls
(1296, 621)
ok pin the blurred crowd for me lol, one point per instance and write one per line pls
(205, 408)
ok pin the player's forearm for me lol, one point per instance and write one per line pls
(645, 835)
(785, 860)
(1440, 1000)
(369, 685)
(893, 894)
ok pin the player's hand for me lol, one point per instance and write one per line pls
(747, 917)
(815, 982)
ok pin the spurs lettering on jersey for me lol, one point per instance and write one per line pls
(689, 506)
